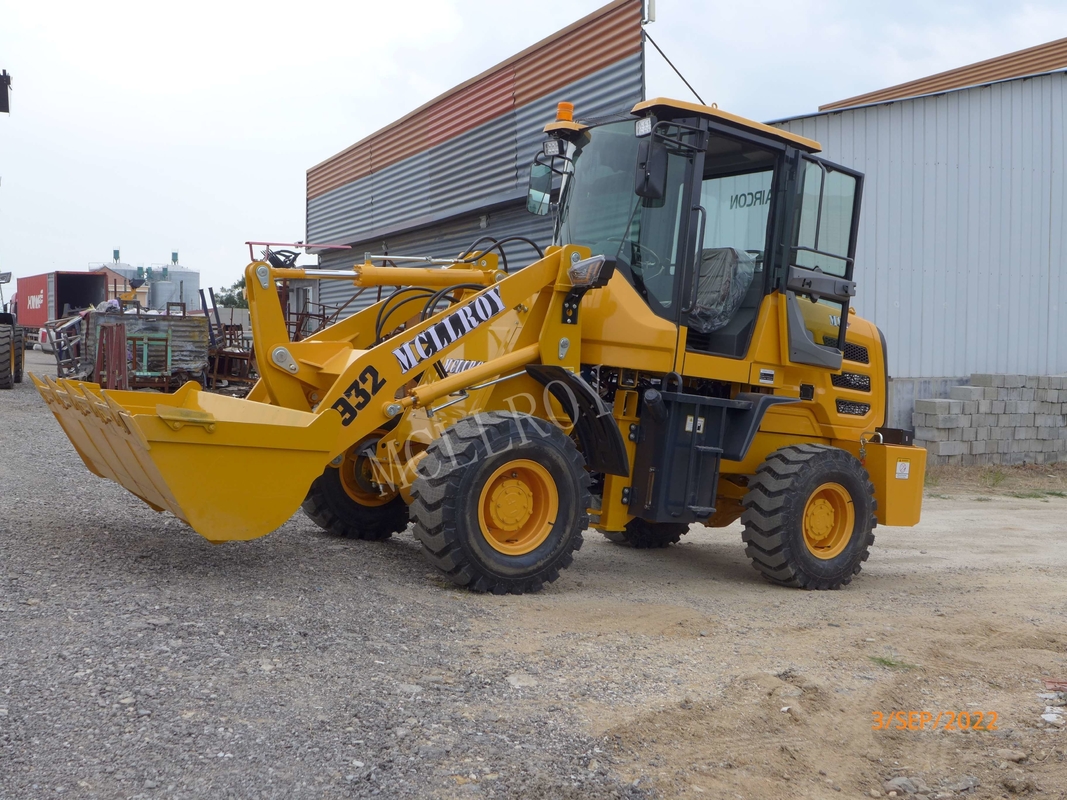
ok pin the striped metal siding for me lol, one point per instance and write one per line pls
(444, 239)
(610, 34)
(962, 258)
(615, 89)
(485, 166)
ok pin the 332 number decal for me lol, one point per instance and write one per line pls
(358, 394)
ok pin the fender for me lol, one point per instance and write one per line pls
(594, 423)
(744, 420)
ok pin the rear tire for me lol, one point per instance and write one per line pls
(7, 357)
(644, 535)
(809, 517)
(344, 500)
(20, 354)
(501, 502)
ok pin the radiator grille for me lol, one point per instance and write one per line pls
(853, 352)
(852, 380)
(853, 408)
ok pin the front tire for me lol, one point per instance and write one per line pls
(345, 500)
(501, 502)
(809, 517)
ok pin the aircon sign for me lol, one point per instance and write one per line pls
(760, 197)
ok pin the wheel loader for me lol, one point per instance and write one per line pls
(684, 352)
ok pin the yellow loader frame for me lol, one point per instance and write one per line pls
(236, 469)
(193, 452)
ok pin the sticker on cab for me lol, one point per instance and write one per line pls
(903, 469)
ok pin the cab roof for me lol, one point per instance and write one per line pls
(802, 142)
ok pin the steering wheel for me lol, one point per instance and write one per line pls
(643, 260)
(282, 259)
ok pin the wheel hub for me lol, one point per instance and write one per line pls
(829, 520)
(511, 504)
(820, 518)
(357, 473)
(518, 507)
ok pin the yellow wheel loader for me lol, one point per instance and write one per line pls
(685, 352)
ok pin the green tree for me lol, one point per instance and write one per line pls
(232, 296)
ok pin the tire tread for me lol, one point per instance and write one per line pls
(434, 510)
(765, 518)
(7, 343)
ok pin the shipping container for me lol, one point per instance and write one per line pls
(53, 295)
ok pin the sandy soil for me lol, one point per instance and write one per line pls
(714, 684)
(1030, 481)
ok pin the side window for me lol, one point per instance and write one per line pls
(737, 209)
(819, 282)
(826, 210)
(649, 251)
(736, 199)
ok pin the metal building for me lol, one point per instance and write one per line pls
(457, 168)
(165, 283)
(962, 257)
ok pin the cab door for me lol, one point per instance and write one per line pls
(820, 260)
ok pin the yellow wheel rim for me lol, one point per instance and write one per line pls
(517, 507)
(358, 478)
(829, 519)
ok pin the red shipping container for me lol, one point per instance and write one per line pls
(33, 302)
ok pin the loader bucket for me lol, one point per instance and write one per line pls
(232, 469)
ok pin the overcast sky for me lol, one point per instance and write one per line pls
(153, 126)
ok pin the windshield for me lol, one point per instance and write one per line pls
(600, 210)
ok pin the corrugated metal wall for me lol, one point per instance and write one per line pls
(457, 168)
(608, 35)
(962, 257)
(482, 167)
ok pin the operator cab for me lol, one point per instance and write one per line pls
(705, 214)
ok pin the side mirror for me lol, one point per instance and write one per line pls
(539, 195)
(650, 181)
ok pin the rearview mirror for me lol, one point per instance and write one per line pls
(650, 181)
(539, 195)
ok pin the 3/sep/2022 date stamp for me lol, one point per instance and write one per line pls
(931, 721)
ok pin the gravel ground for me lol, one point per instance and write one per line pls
(137, 660)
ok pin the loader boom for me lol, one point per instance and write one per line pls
(324, 396)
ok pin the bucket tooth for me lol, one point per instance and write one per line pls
(116, 445)
(62, 408)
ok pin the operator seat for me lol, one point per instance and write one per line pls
(722, 283)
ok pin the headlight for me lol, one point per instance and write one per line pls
(643, 127)
(552, 147)
(586, 271)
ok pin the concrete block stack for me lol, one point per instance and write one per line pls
(998, 419)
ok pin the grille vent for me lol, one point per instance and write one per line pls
(852, 380)
(853, 352)
(853, 408)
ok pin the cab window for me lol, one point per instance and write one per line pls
(736, 197)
